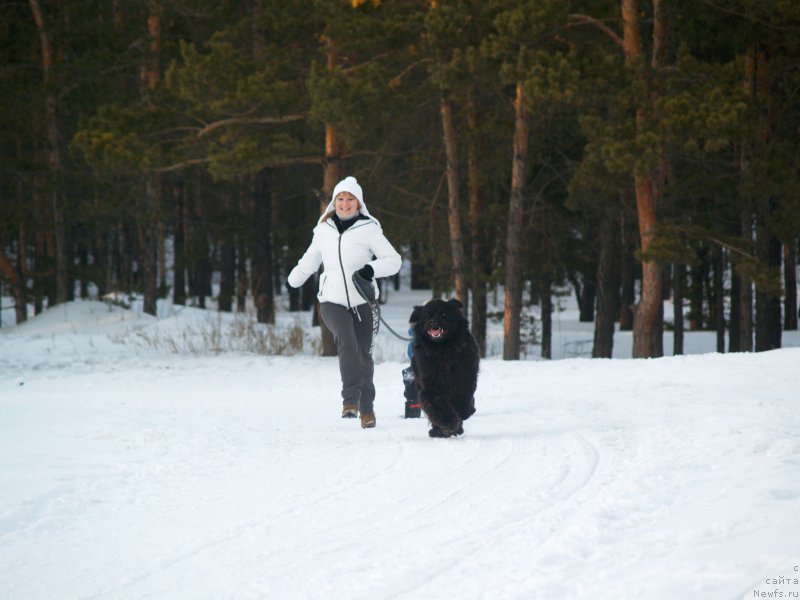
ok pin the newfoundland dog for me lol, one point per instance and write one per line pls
(445, 365)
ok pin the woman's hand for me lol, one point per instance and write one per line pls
(366, 272)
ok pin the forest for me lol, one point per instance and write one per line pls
(628, 152)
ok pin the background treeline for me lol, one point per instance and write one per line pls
(634, 150)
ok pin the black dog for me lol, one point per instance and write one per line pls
(445, 365)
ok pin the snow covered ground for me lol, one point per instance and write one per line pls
(130, 471)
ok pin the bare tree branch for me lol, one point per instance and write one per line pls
(577, 19)
(729, 247)
(395, 81)
(183, 165)
(354, 68)
(250, 121)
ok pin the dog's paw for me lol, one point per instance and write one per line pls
(438, 432)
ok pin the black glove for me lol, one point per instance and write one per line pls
(366, 272)
(363, 283)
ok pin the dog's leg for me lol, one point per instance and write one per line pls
(445, 421)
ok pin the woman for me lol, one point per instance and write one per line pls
(345, 240)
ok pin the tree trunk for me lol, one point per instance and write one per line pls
(294, 300)
(162, 257)
(179, 264)
(147, 215)
(227, 257)
(734, 320)
(263, 291)
(513, 300)
(696, 292)
(148, 245)
(148, 249)
(678, 292)
(480, 251)
(790, 286)
(745, 326)
(261, 259)
(657, 348)
(241, 275)
(102, 259)
(124, 246)
(587, 295)
(746, 292)
(227, 280)
(454, 203)
(547, 319)
(21, 295)
(17, 286)
(646, 320)
(768, 303)
(39, 259)
(627, 277)
(147, 267)
(332, 174)
(607, 290)
(201, 252)
(719, 298)
(82, 251)
(53, 154)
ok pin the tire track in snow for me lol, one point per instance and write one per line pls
(563, 481)
(560, 466)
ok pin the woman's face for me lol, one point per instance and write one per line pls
(345, 204)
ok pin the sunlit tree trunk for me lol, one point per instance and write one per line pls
(454, 202)
(645, 323)
(332, 174)
(513, 300)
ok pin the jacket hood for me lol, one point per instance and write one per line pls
(348, 184)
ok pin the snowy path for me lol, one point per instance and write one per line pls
(233, 477)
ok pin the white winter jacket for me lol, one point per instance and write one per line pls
(344, 254)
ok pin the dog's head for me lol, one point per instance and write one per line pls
(438, 320)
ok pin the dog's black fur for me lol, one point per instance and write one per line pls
(445, 364)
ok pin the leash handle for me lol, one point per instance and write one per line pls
(367, 292)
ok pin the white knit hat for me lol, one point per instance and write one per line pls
(349, 184)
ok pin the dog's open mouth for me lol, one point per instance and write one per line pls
(436, 332)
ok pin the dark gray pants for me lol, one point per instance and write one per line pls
(353, 330)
